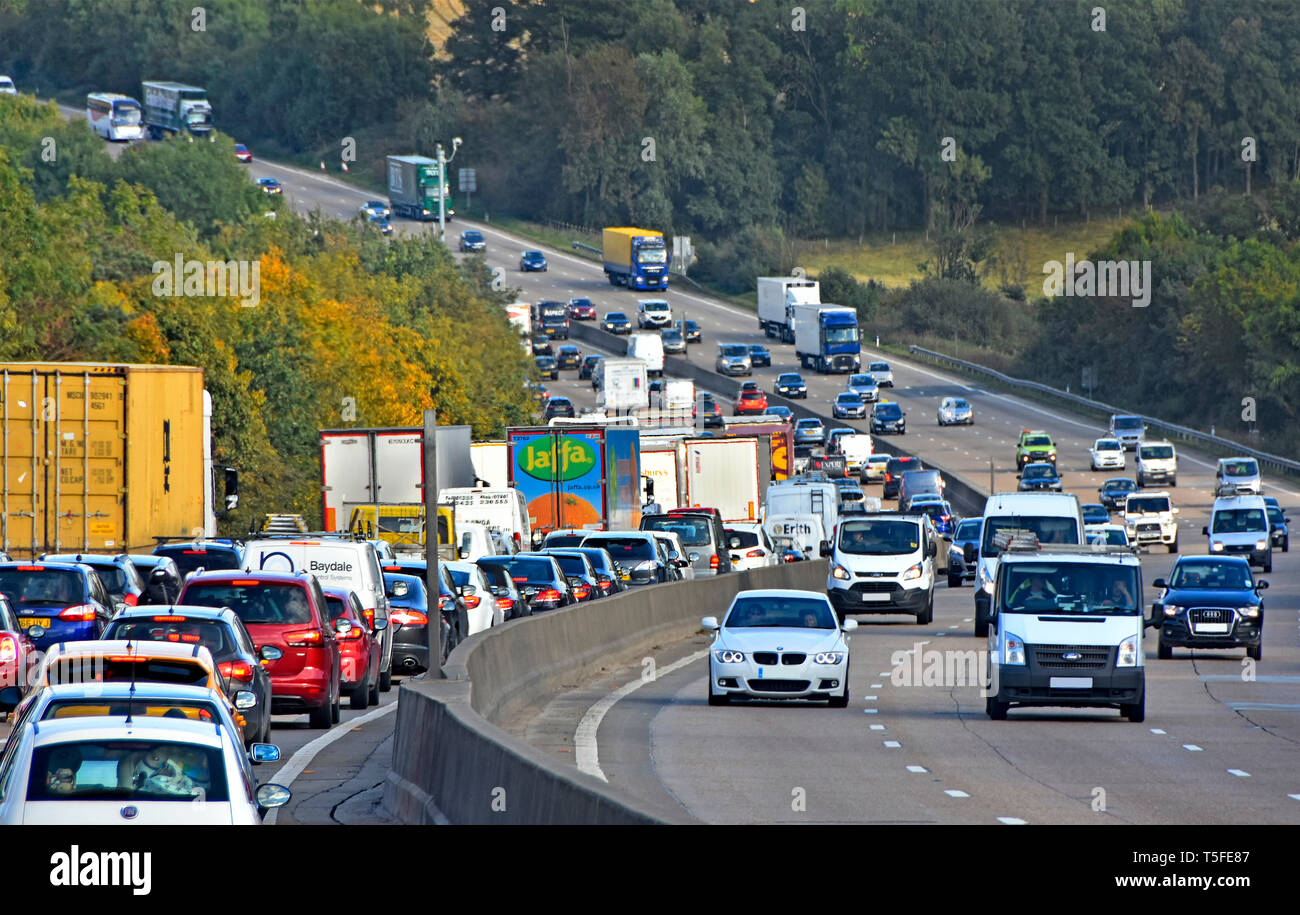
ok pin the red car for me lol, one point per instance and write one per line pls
(751, 402)
(242, 153)
(287, 612)
(582, 310)
(358, 647)
(18, 655)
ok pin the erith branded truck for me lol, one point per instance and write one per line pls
(635, 258)
(777, 296)
(413, 188)
(585, 477)
(173, 108)
(104, 458)
(826, 338)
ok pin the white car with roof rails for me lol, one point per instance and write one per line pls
(1157, 462)
(883, 563)
(1149, 520)
(1107, 454)
(138, 771)
(1239, 526)
(1050, 517)
(1237, 476)
(779, 644)
(1066, 630)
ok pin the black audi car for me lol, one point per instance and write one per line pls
(1210, 602)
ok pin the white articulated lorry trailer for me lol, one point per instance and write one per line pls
(729, 474)
(777, 295)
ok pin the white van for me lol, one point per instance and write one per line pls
(341, 563)
(1049, 517)
(1157, 462)
(655, 313)
(804, 530)
(803, 497)
(883, 563)
(504, 511)
(650, 349)
(1067, 626)
(1239, 525)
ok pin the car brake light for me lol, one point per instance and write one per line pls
(713, 561)
(8, 648)
(471, 601)
(31, 568)
(548, 594)
(130, 600)
(605, 585)
(370, 618)
(245, 582)
(195, 552)
(169, 619)
(582, 592)
(518, 578)
(505, 603)
(304, 637)
(410, 618)
(82, 613)
(189, 638)
(755, 554)
(236, 670)
(127, 659)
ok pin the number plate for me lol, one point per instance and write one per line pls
(1210, 627)
(27, 622)
(1070, 683)
(871, 595)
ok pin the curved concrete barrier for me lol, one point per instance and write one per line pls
(452, 763)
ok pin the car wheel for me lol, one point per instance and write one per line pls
(927, 615)
(360, 696)
(1137, 712)
(1268, 563)
(1164, 652)
(321, 718)
(336, 709)
(954, 581)
(1256, 652)
(1286, 543)
(1173, 547)
(996, 708)
(842, 700)
(981, 628)
(1173, 481)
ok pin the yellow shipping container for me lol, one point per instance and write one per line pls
(101, 458)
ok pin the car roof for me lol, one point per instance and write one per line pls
(1242, 501)
(782, 592)
(228, 575)
(145, 611)
(67, 730)
(99, 647)
(142, 689)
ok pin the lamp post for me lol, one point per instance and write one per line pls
(442, 187)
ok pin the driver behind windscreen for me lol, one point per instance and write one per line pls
(1034, 587)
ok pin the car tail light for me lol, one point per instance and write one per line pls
(31, 568)
(370, 618)
(548, 594)
(352, 634)
(582, 593)
(82, 613)
(304, 637)
(756, 554)
(505, 603)
(8, 648)
(472, 601)
(131, 600)
(169, 619)
(410, 618)
(605, 585)
(713, 561)
(236, 670)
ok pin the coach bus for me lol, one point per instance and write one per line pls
(114, 117)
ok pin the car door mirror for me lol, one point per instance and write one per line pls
(932, 550)
(1159, 583)
(271, 795)
(119, 607)
(1261, 585)
(824, 548)
(342, 626)
(849, 625)
(10, 696)
(264, 753)
(380, 624)
(968, 553)
(708, 622)
(673, 554)
(270, 653)
(245, 699)
(468, 591)
(1205, 531)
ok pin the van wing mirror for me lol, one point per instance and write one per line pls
(825, 548)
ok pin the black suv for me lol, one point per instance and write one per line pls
(193, 555)
(894, 471)
(539, 579)
(559, 406)
(569, 357)
(1210, 602)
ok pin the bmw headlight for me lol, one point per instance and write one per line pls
(911, 574)
(828, 657)
(729, 656)
(1249, 612)
(1128, 652)
(1013, 651)
(838, 571)
(1216, 547)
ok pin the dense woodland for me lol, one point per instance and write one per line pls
(771, 121)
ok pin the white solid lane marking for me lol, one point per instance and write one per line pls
(869, 698)
(1294, 797)
(586, 752)
(300, 760)
(953, 792)
(1011, 821)
(885, 673)
(893, 744)
(1191, 748)
(917, 769)
(1157, 730)
(1239, 773)
(877, 727)
(875, 686)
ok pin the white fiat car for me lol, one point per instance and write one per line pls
(778, 644)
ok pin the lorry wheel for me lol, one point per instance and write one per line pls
(1137, 712)
(1256, 652)
(996, 708)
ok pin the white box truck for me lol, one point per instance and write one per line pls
(776, 296)
(726, 474)
(502, 511)
(490, 461)
(623, 385)
(855, 450)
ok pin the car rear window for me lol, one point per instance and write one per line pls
(692, 531)
(125, 770)
(889, 410)
(36, 585)
(214, 636)
(531, 570)
(191, 559)
(127, 669)
(627, 548)
(254, 601)
(741, 540)
(193, 709)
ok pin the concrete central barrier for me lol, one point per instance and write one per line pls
(452, 762)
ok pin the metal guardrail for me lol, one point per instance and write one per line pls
(1170, 429)
(579, 246)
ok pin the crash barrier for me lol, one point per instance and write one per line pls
(452, 762)
(966, 497)
(1216, 443)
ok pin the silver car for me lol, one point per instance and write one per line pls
(865, 386)
(955, 411)
(883, 374)
(733, 359)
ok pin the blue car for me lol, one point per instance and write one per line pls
(758, 354)
(382, 223)
(472, 240)
(849, 405)
(1095, 513)
(532, 260)
(270, 186)
(888, 417)
(617, 323)
(1038, 475)
(791, 384)
(66, 600)
(940, 513)
(1209, 602)
(1277, 524)
(967, 532)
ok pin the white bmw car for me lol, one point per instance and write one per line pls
(778, 644)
